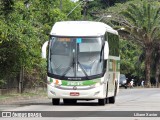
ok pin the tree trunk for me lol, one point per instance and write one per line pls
(60, 5)
(159, 81)
(20, 82)
(158, 67)
(85, 7)
(148, 55)
(157, 75)
(21, 76)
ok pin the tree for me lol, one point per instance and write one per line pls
(96, 8)
(129, 53)
(156, 54)
(141, 21)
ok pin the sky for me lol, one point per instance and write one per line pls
(74, 0)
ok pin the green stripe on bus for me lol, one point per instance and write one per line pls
(80, 83)
(51, 80)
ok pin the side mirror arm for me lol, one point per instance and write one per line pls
(44, 49)
(106, 50)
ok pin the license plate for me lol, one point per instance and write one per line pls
(74, 93)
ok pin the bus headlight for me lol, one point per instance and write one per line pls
(96, 85)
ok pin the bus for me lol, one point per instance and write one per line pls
(83, 62)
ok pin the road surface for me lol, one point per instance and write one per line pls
(141, 99)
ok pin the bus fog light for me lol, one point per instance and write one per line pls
(96, 93)
(53, 93)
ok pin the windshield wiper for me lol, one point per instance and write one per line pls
(83, 70)
(71, 65)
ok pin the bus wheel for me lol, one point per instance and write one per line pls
(102, 101)
(69, 101)
(107, 100)
(112, 100)
(55, 101)
(73, 101)
(65, 101)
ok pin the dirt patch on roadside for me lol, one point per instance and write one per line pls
(24, 98)
(21, 100)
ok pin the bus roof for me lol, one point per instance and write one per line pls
(81, 28)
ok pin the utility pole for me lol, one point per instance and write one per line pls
(84, 8)
(21, 79)
(60, 5)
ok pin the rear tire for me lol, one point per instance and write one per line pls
(102, 101)
(55, 101)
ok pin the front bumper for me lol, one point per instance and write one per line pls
(84, 92)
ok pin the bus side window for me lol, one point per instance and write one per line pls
(113, 41)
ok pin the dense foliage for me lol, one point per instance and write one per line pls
(141, 22)
(24, 27)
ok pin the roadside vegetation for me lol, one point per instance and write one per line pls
(142, 27)
(24, 27)
(140, 47)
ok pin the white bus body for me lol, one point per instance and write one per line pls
(83, 62)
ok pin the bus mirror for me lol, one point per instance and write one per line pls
(106, 50)
(44, 49)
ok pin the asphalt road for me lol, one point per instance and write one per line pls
(145, 100)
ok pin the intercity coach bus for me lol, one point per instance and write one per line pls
(83, 62)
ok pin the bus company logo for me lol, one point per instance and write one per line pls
(74, 83)
(74, 88)
(6, 114)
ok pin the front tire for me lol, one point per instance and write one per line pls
(112, 100)
(55, 101)
(69, 101)
(102, 101)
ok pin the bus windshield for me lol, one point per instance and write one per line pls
(75, 57)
